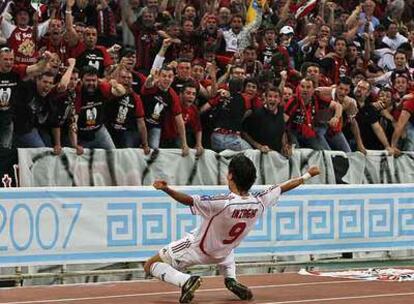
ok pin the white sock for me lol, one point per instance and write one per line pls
(166, 273)
(228, 271)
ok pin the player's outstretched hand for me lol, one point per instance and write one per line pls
(314, 170)
(160, 184)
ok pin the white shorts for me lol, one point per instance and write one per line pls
(185, 253)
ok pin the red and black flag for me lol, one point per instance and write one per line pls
(304, 7)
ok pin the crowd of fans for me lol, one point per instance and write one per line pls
(217, 74)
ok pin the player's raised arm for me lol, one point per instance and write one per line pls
(295, 182)
(178, 196)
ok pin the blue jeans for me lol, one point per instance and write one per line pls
(336, 142)
(154, 137)
(46, 135)
(220, 142)
(125, 138)
(409, 139)
(6, 134)
(316, 143)
(99, 139)
(31, 139)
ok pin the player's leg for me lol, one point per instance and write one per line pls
(227, 269)
(165, 272)
(163, 266)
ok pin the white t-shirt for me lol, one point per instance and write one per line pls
(227, 219)
(394, 43)
(232, 40)
(7, 28)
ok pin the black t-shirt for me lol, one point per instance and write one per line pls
(366, 117)
(157, 103)
(90, 107)
(266, 127)
(31, 110)
(8, 90)
(122, 113)
(96, 58)
(62, 109)
(229, 113)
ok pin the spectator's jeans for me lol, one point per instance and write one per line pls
(31, 139)
(220, 142)
(46, 135)
(315, 143)
(6, 134)
(154, 137)
(337, 142)
(125, 138)
(99, 140)
(409, 140)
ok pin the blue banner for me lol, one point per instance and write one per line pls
(44, 226)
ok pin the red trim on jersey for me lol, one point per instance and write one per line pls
(220, 197)
(211, 220)
(264, 192)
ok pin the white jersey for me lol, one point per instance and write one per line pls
(227, 219)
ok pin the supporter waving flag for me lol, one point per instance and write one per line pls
(252, 10)
(305, 7)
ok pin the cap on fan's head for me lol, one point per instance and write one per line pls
(287, 30)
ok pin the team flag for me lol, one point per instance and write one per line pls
(252, 10)
(305, 7)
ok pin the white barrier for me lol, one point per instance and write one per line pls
(44, 226)
(130, 167)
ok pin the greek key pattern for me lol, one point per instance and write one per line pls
(68, 225)
(319, 221)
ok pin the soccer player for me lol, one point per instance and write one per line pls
(226, 221)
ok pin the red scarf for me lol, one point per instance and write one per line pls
(306, 129)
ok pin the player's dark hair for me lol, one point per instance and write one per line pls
(250, 48)
(188, 84)
(272, 88)
(250, 80)
(183, 60)
(80, 24)
(243, 172)
(401, 51)
(341, 38)
(345, 80)
(89, 70)
(166, 68)
(91, 27)
(307, 65)
(236, 16)
(46, 74)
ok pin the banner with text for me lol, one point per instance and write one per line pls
(47, 226)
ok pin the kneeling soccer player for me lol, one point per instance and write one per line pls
(226, 220)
